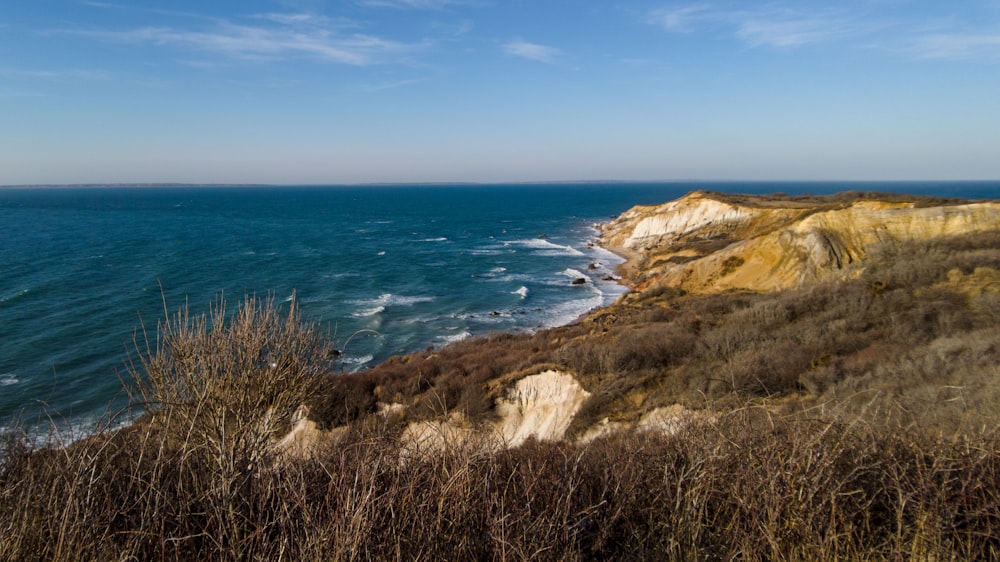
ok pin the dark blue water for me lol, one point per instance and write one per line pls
(80, 268)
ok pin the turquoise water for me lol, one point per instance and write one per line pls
(420, 265)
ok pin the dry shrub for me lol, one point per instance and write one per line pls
(341, 399)
(751, 486)
(227, 386)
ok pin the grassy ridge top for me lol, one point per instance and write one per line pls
(906, 326)
(854, 416)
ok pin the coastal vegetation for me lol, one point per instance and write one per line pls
(851, 416)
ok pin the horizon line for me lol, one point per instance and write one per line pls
(477, 183)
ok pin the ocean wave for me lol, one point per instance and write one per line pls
(366, 312)
(455, 337)
(543, 247)
(523, 291)
(8, 379)
(388, 299)
(495, 273)
(15, 296)
(438, 239)
(485, 252)
(573, 273)
(567, 312)
(359, 360)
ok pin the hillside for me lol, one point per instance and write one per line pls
(791, 378)
(711, 242)
(848, 302)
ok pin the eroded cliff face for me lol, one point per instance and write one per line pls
(707, 242)
(702, 243)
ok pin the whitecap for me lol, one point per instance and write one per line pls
(382, 253)
(438, 239)
(364, 313)
(8, 379)
(567, 312)
(389, 299)
(20, 293)
(523, 291)
(485, 252)
(359, 360)
(545, 248)
(455, 337)
(575, 274)
(399, 300)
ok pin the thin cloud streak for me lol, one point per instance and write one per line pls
(417, 4)
(943, 46)
(679, 20)
(56, 75)
(261, 43)
(771, 25)
(531, 51)
(789, 32)
(784, 25)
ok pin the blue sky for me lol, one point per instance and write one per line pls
(314, 91)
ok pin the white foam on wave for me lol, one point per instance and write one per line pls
(567, 312)
(20, 293)
(377, 305)
(62, 432)
(438, 239)
(359, 360)
(455, 337)
(574, 273)
(543, 247)
(493, 274)
(485, 252)
(8, 379)
(523, 291)
(366, 312)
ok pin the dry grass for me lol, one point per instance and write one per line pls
(854, 420)
(751, 486)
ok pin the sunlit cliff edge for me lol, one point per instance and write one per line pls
(710, 242)
(717, 313)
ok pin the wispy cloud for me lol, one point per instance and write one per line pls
(767, 25)
(680, 20)
(417, 4)
(383, 86)
(789, 31)
(531, 51)
(783, 24)
(957, 46)
(85, 74)
(293, 35)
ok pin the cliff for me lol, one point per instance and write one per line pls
(868, 301)
(710, 242)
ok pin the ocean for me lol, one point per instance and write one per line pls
(382, 270)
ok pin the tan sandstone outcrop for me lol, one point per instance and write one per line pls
(539, 406)
(704, 243)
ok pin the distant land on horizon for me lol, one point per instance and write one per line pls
(488, 183)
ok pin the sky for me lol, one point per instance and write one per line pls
(357, 91)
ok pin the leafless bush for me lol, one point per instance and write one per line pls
(229, 385)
